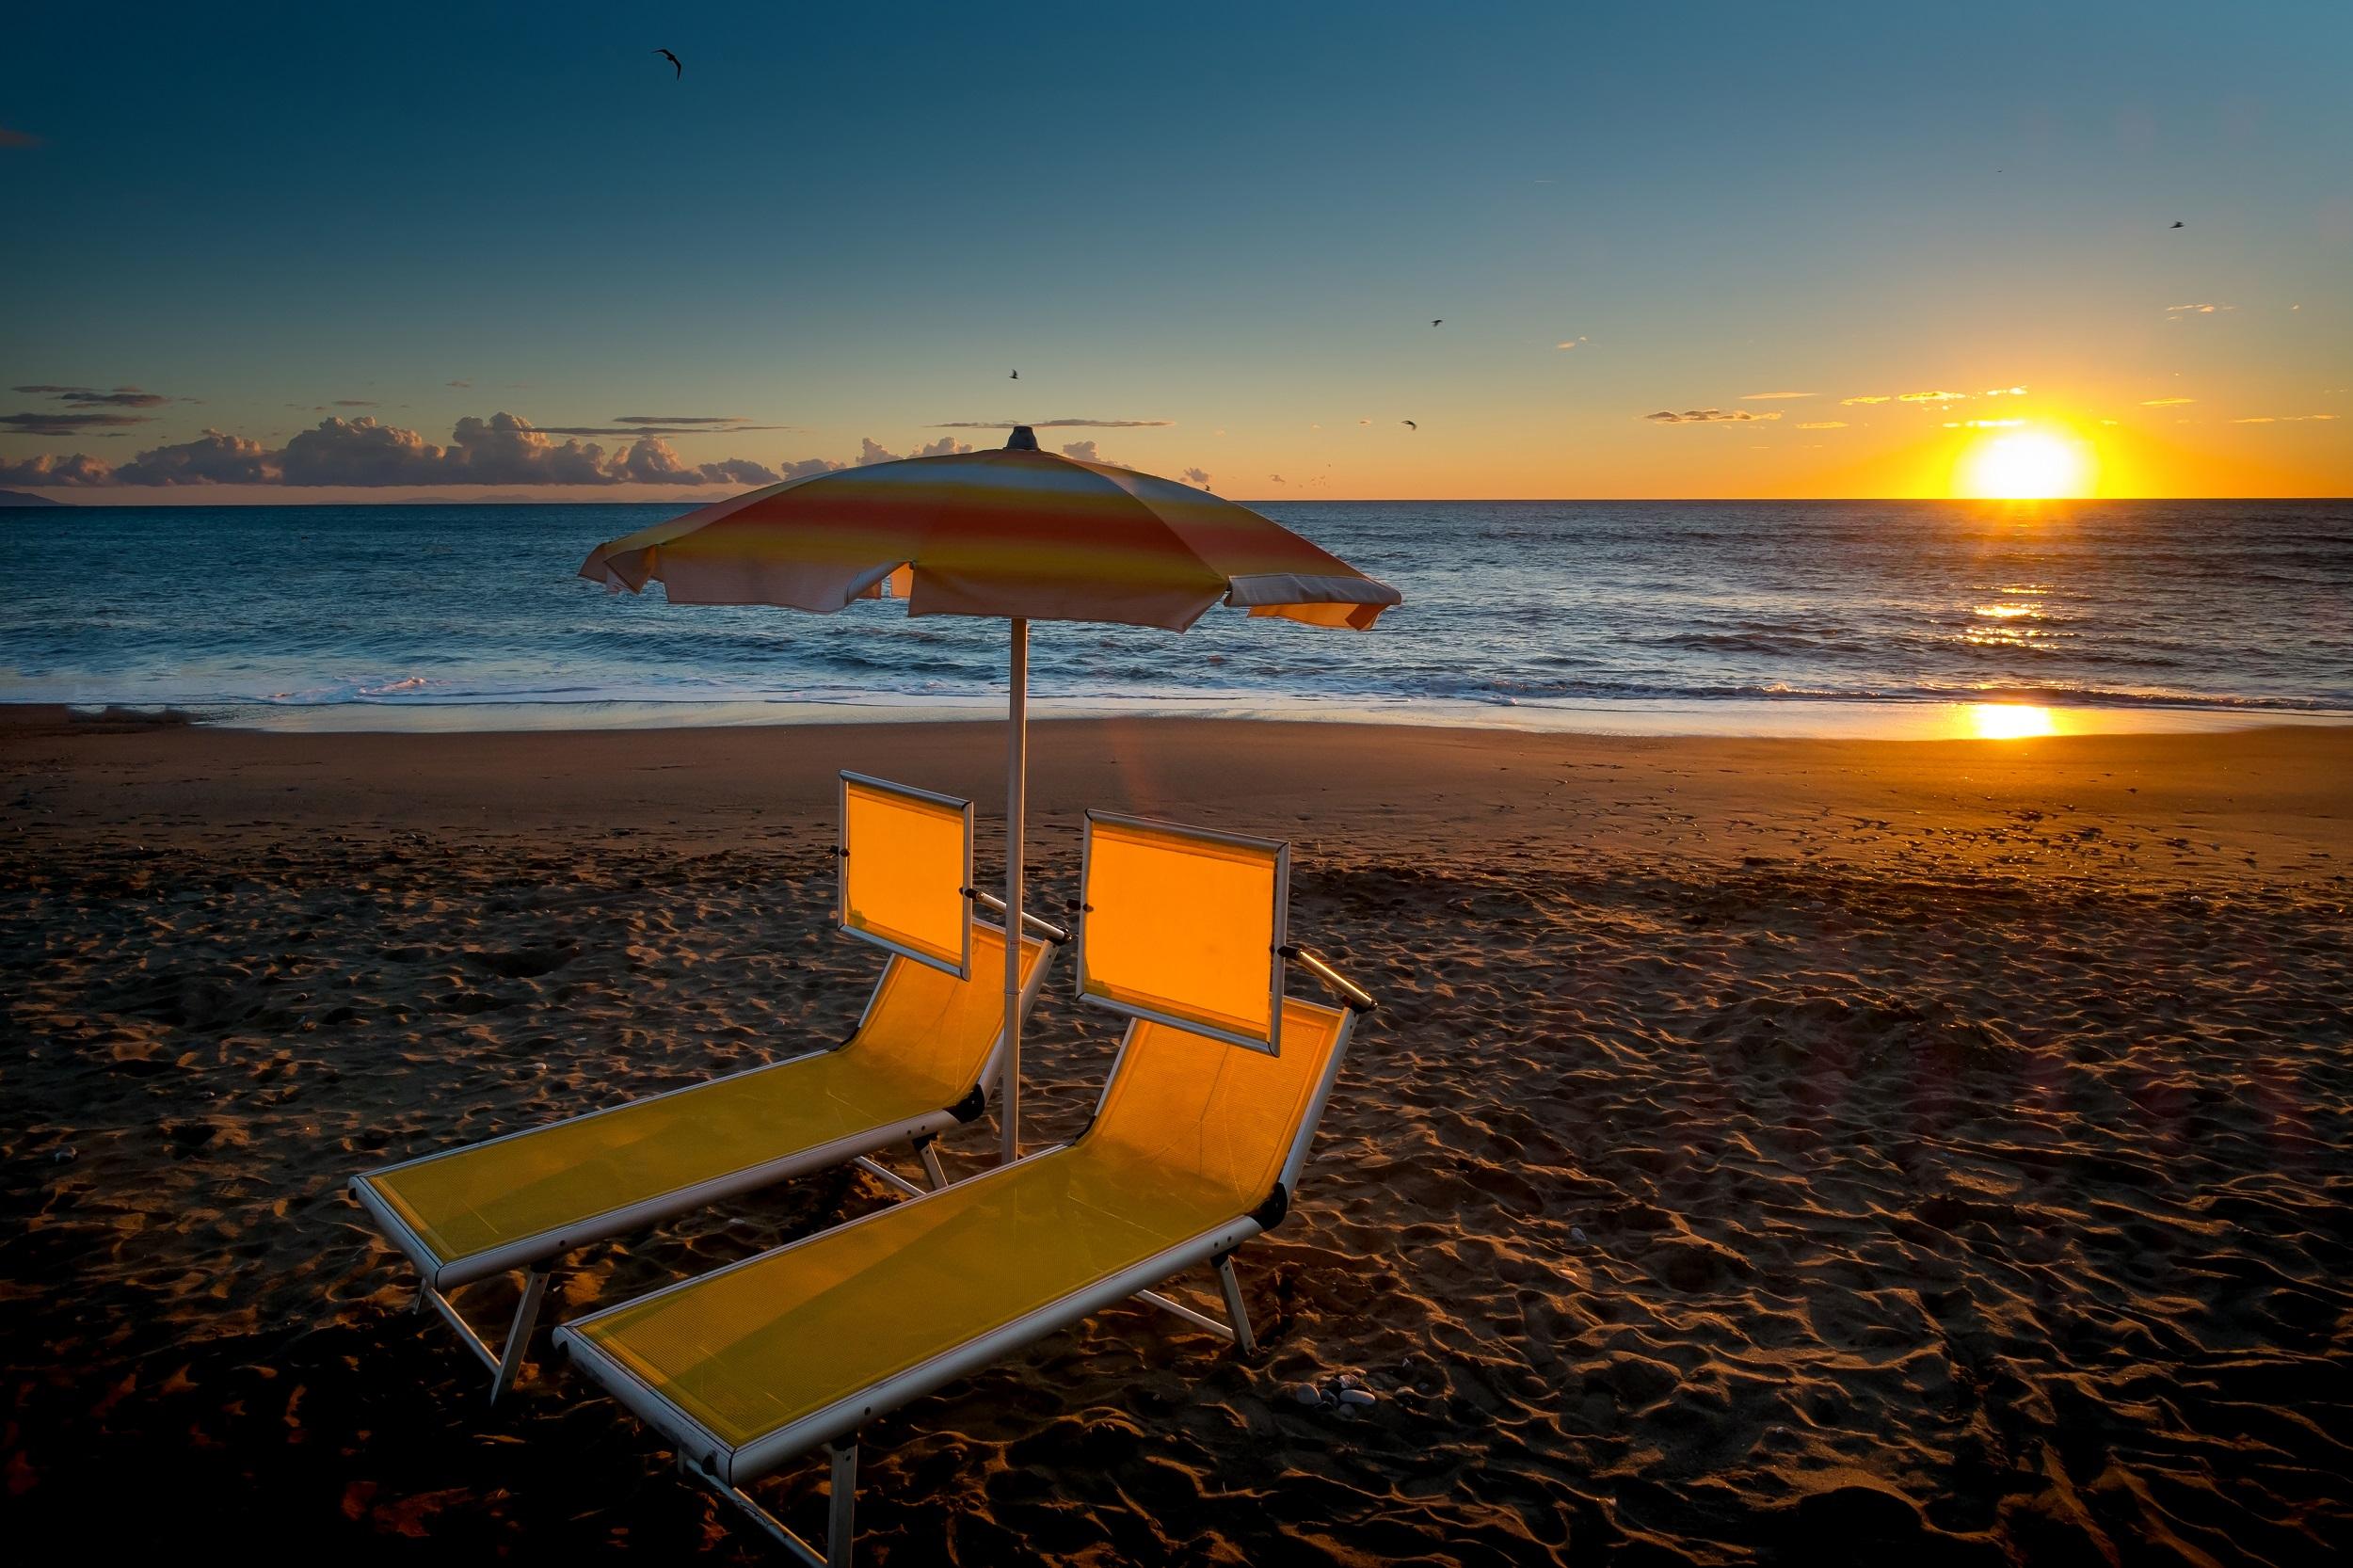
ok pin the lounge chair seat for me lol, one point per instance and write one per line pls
(1187, 1159)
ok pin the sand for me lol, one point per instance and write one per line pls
(1767, 1151)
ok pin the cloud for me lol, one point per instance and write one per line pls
(1573, 342)
(48, 423)
(18, 139)
(2165, 402)
(507, 450)
(678, 419)
(212, 458)
(2006, 392)
(457, 383)
(2176, 313)
(1768, 397)
(90, 397)
(1823, 424)
(1932, 397)
(353, 403)
(1198, 476)
(1053, 423)
(1850, 402)
(2281, 419)
(1086, 452)
(633, 431)
(1707, 416)
(1983, 424)
(58, 472)
(652, 461)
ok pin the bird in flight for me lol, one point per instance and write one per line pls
(2177, 223)
(1014, 376)
(1409, 425)
(674, 60)
(1440, 322)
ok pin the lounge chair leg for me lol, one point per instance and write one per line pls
(841, 1506)
(518, 1335)
(1245, 1344)
(932, 1173)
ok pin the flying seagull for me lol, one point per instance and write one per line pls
(1409, 425)
(2177, 223)
(1014, 376)
(674, 60)
(1440, 322)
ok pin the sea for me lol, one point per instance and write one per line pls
(1763, 618)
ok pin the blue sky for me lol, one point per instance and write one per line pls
(1239, 220)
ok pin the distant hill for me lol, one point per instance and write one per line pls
(17, 498)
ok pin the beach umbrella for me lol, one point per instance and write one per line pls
(1014, 533)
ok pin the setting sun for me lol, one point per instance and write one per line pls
(2025, 465)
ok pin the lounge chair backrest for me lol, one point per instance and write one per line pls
(1182, 1105)
(907, 871)
(1184, 927)
(928, 1028)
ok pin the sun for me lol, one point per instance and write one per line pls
(2025, 465)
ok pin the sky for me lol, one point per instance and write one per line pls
(330, 252)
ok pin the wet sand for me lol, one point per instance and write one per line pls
(1786, 1151)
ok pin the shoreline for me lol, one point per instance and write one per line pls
(1894, 719)
(1452, 790)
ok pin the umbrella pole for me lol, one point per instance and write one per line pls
(1017, 778)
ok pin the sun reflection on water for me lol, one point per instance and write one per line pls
(2009, 721)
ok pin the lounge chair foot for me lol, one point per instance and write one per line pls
(840, 1510)
(502, 1365)
(930, 1156)
(1237, 1325)
(841, 1504)
(519, 1333)
(1244, 1342)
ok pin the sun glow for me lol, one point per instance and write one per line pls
(2009, 721)
(2025, 465)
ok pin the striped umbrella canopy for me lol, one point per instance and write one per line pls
(1018, 533)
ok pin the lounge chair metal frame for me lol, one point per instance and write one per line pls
(727, 1470)
(538, 1255)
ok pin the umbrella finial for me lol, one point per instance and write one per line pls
(1022, 439)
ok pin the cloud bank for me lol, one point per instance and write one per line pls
(1053, 423)
(364, 453)
(1706, 416)
(43, 422)
(87, 397)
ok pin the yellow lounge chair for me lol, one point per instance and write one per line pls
(1195, 1147)
(918, 1063)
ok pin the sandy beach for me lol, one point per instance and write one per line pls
(1767, 1151)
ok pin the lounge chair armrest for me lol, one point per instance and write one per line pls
(1338, 984)
(1030, 922)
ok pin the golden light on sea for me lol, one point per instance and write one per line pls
(2025, 465)
(2009, 721)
